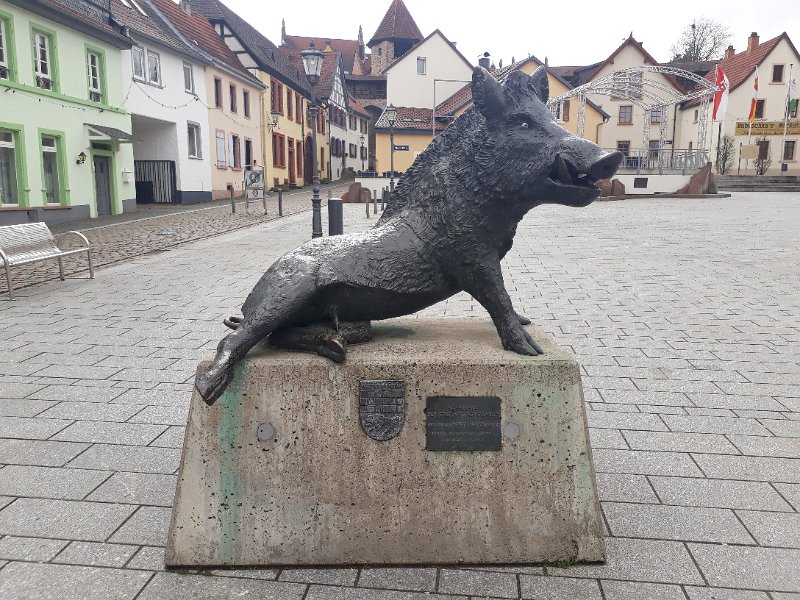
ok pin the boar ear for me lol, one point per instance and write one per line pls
(538, 83)
(486, 93)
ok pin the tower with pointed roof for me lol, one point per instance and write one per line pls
(395, 36)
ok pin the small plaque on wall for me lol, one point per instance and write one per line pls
(462, 423)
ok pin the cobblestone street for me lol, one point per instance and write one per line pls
(156, 228)
(685, 317)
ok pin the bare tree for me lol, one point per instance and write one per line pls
(726, 148)
(704, 39)
(764, 160)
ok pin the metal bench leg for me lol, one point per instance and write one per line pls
(61, 268)
(91, 264)
(8, 282)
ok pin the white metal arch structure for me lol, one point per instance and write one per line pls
(648, 94)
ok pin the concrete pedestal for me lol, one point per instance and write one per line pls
(280, 471)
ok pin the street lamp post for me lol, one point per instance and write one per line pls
(312, 64)
(361, 151)
(391, 116)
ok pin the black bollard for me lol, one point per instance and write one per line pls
(335, 216)
(233, 204)
(280, 203)
(374, 205)
(367, 205)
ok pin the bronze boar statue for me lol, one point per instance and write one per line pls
(450, 222)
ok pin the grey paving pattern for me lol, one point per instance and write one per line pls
(683, 314)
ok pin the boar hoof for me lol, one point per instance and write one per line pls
(520, 341)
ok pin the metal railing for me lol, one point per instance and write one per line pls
(665, 160)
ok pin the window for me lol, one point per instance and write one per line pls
(9, 190)
(777, 73)
(195, 143)
(421, 60)
(624, 146)
(561, 111)
(635, 83)
(52, 179)
(246, 103)
(696, 116)
(352, 150)
(248, 153)
(188, 78)
(42, 60)
(235, 160)
(276, 96)
(565, 111)
(5, 50)
(763, 149)
(788, 150)
(94, 64)
(137, 56)
(655, 116)
(653, 147)
(626, 114)
(217, 92)
(363, 126)
(232, 93)
(153, 68)
(289, 104)
(298, 109)
(760, 108)
(221, 160)
(793, 108)
(278, 150)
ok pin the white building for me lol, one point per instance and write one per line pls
(774, 59)
(429, 73)
(166, 96)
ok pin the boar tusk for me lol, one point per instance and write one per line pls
(563, 172)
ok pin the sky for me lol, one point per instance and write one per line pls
(567, 33)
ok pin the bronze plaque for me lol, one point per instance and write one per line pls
(462, 423)
(382, 408)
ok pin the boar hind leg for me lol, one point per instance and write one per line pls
(483, 280)
(323, 339)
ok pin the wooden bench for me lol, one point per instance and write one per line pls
(32, 242)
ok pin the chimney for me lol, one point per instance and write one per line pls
(752, 42)
(484, 61)
(730, 52)
(546, 62)
(186, 5)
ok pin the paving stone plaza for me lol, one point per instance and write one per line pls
(685, 317)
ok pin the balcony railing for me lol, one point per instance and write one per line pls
(666, 160)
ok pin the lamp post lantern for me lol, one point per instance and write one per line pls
(312, 64)
(391, 116)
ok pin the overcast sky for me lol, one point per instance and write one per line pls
(568, 33)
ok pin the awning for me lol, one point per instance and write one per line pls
(108, 133)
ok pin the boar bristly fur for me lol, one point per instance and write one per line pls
(445, 230)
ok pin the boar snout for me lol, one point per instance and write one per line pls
(606, 166)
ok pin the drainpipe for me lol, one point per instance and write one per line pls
(597, 129)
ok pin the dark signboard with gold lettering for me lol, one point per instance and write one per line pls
(462, 423)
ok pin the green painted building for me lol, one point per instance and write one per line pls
(65, 140)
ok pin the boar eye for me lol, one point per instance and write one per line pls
(521, 121)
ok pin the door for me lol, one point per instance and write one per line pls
(307, 170)
(102, 184)
(291, 163)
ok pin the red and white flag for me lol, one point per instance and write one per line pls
(720, 96)
(754, 102)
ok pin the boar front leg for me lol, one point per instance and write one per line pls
(483, 280)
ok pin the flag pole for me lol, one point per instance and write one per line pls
(782, 149)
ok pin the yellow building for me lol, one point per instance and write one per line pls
(286, 134)
(414, 128)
